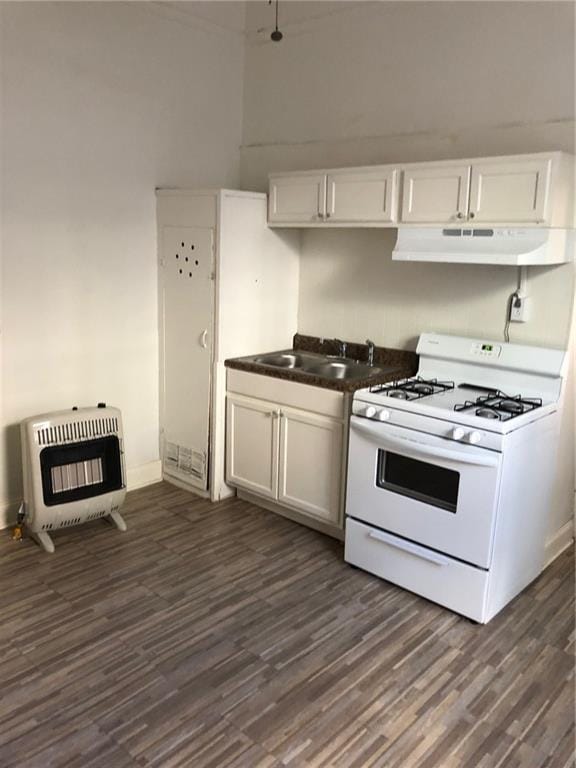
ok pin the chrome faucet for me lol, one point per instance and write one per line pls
(370, 345)
(343, 346)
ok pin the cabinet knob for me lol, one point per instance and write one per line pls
(459, 215)
(327, 214)
(472, 214)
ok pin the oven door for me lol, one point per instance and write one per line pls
(433, 491)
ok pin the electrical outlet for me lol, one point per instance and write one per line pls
(519, 309)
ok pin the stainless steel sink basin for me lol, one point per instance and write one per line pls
(342, 370)
(314, 364)
(280, 360)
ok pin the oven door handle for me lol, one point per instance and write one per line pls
(407, 546)
(419, 448)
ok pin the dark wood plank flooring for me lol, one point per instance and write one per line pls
(224, 636)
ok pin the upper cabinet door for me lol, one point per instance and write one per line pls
(435, 195)
(362, 196)
(297, 199)
(513, 191)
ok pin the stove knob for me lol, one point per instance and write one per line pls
(370, 411)
(457, 433)
(383, 415)
(474, 437)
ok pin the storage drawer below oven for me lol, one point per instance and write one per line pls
(453, 584)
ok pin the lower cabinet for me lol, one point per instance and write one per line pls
(252, 445)
(289, 455)
(310, 463)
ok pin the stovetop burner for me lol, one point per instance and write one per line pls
(413, 389)
(499, 406)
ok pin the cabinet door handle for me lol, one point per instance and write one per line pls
(472, 214)
(459, 215)
(327, 214)
(204, 338)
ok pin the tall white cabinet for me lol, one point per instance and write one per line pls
(228, 285)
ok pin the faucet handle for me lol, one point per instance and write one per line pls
(343, 347)
(371, 346)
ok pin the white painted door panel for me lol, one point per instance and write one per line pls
(296, 199)
(310, 464)
(187, 300)
(369, 196)
(510, 191)
(397, 478)
(435, 195)
(252, 445)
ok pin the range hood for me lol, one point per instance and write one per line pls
(516, 247)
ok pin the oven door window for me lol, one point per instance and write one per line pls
(418, 480)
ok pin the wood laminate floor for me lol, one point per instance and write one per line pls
(224, 636)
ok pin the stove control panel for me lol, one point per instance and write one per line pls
(485, 349)
(371, 412)
(466, 435)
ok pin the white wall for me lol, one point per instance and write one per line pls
(350, 288)
(371, 82)
(356, 83)
(101, 103)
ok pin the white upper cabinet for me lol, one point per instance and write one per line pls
(512, 191)
(522, 190)
(369, 195)
(297, 198)
(435, 194)
(340, 197)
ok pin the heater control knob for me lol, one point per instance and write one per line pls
(474, 437)
(370, 411)
(457, 433)
(383, 415)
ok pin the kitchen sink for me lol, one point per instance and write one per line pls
(280, 360)
(346, 369)
(326, 366)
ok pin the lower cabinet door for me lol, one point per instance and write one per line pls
(310, 470)
(252, 445)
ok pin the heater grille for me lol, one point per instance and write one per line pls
(74, 431)
(66, 477)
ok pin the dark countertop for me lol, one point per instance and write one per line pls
(393, 364)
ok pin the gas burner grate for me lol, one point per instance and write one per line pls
(412, 389)
(499, 406)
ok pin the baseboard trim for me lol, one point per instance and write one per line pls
(144, 474)
(136, 477)
(557, 543)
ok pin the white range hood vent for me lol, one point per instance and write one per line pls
(516, 247)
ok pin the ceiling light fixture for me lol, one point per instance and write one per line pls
(276, 35)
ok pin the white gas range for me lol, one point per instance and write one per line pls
(450, 473)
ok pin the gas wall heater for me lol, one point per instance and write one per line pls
(73, 464)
